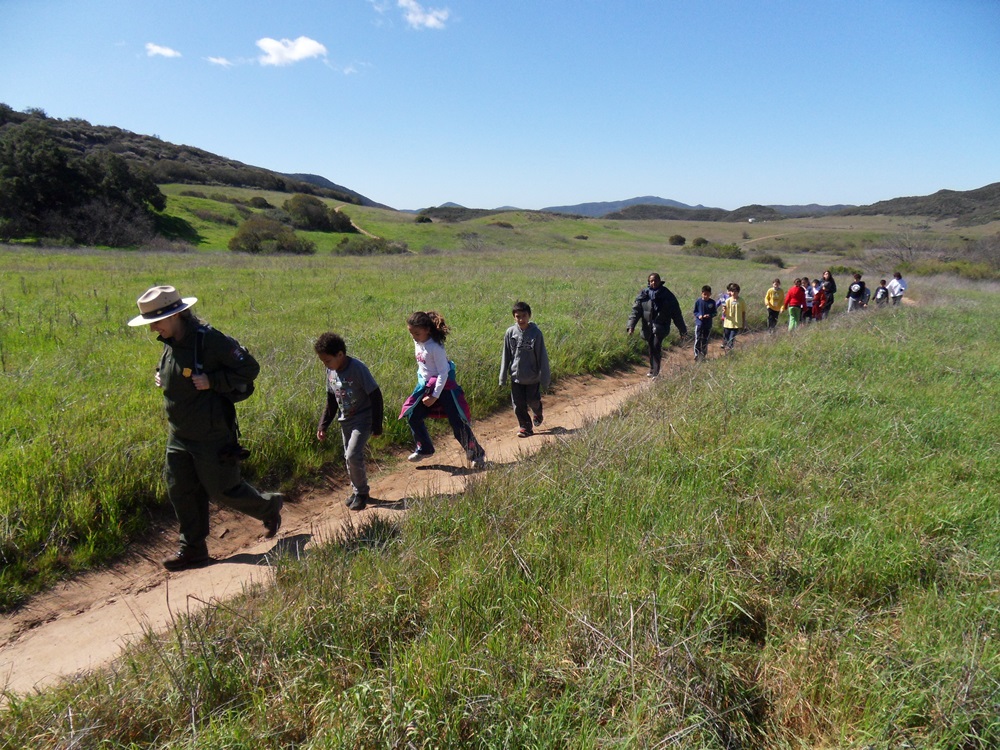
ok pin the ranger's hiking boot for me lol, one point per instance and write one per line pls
(187, 557)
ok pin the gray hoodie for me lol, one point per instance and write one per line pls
(524, 357)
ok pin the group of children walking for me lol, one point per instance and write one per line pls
(806, 301)
(354, 398)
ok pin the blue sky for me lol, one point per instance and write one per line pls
(542, 102)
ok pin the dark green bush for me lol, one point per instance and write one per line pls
(728, 252)
(370, 246)
(261, 235)
(769, 259)
(699, 242)
(677, 240)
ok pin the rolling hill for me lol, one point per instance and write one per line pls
(172, 163)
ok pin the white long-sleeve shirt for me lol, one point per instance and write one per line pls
(432, 362)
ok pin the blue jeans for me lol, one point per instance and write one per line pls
(729, 338)
(459, 427)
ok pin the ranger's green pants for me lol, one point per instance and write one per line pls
(196, 472)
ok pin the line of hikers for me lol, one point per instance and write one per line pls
(204, 373)
(807, 300)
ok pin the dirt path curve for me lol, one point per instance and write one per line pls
(85, 622)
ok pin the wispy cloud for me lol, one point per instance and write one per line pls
(419, 18)
(155, 50)
(220, 61)
(288, 51)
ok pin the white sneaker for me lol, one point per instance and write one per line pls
(479, 463)
(416, 456)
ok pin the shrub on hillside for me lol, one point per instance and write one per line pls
(699, 242)
(728, 252)
(369, 246)
(768, 259)
(310, 213)
(677, 240)
(261, 235)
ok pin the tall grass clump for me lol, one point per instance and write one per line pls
(795, 546)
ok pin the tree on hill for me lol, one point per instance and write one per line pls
(259, 234)
(48, 191)
(312, 214)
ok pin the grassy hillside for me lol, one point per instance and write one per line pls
(170, 162)
(206, 223)
(794, 547)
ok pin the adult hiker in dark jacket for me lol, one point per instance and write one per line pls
(655, 306)
(199, 366)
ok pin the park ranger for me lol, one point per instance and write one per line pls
(202, 372)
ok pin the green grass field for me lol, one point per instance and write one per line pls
(83, 431)
(796, 546)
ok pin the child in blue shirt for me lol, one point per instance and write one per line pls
(704, 313)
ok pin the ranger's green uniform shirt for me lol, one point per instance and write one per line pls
(203, 415)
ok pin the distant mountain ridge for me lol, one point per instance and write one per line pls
(603, 208)
(979, 206)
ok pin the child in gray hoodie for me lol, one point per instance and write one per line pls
(525, 360)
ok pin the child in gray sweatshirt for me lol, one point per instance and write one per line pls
(525, 360)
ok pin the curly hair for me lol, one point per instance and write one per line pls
(433, 322)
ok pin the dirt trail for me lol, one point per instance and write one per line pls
(85, 622)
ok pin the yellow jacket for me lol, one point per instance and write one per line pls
(736, 314)
(774, 298)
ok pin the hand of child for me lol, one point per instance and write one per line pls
(428, 401)
(321, 435)
(156, 379)
(201, 382)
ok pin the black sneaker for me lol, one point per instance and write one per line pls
(349, 499)
(273, 522)
(187, 557)
(537, 420)
(358, 502)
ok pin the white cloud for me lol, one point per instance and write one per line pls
(220, 61)
(287, 51)
(155, 50)
(419, 18)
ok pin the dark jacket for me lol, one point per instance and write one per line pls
(203, 415)
(655, 308)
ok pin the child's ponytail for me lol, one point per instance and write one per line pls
(431, 320)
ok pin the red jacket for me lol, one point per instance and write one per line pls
(796, 296)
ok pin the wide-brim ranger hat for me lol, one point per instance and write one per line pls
(159, 303)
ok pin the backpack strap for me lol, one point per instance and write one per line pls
(199, 349)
